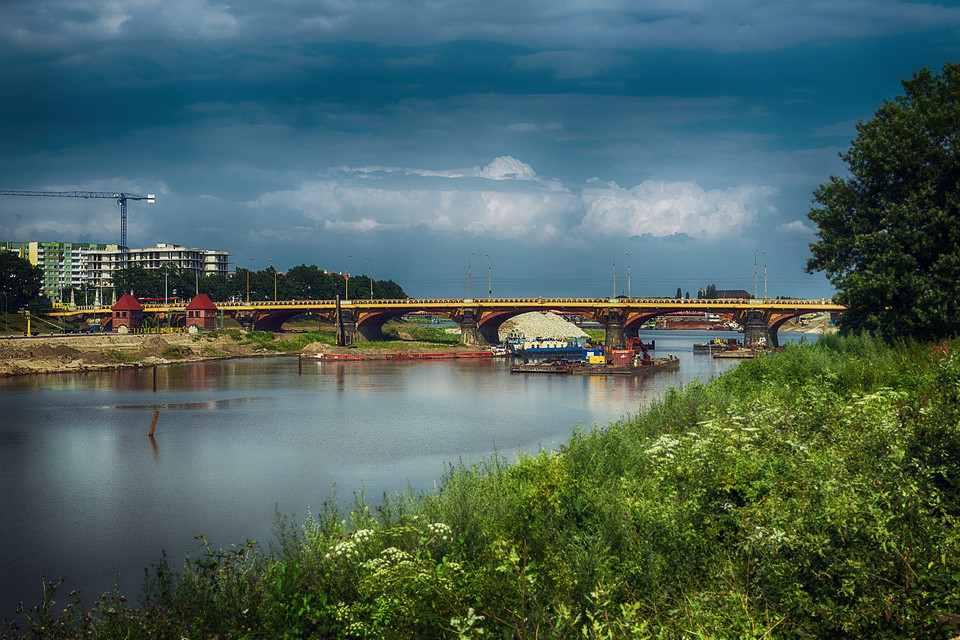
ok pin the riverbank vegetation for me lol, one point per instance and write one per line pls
(812, 493)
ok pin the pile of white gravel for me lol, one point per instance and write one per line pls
(541, 325)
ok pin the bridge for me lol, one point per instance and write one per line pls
(480, 319)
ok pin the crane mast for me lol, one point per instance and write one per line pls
(120, 197)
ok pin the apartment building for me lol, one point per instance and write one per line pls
(82, 265)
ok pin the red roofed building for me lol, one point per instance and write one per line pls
(127, 314)
(201, 313)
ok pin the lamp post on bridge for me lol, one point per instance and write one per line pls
(764, 275)
(249, 264)
(371, 277)
(273, 264)
(469, 277)
(629, 293)
(346, 280)
(489, 281)
(755, 252)
(614, 274)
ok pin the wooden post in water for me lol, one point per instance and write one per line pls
(300, 364)
(153, 423)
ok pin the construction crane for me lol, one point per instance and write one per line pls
(121, 199)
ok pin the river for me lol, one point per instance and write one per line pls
(88, 496)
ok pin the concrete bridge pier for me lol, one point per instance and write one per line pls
(470, 331)
(616, 334)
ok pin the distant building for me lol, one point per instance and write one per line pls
(206, 262)
(65, 265)
(82, 265)
(734, 294)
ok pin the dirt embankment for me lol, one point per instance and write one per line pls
(90, 353)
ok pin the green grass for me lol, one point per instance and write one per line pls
(813, 493)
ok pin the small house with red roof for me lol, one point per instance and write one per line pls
(201, 313)
(127, 314)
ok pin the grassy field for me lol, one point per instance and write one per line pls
(813, 493)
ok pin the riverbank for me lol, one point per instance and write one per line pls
(812, 494)
(79, 353)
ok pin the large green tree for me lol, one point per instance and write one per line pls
(889, 234)
(19, 281)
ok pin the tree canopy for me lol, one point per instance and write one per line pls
(19, 281)
(299, 283)
(889, 234)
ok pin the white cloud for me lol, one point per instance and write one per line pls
(515, 203)
(508, 168)
(796, 227)
(666, 208)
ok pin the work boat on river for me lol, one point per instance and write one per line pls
(622, 362)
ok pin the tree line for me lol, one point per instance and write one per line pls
(21, 283)
(302, 282)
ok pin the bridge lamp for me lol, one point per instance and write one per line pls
(489, 285)
(371, 276)
(629, 294)
(614, 274)
(272, 264)
(346, 269)
(764, 275)
(469, 278)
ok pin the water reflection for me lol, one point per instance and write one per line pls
(91, 495)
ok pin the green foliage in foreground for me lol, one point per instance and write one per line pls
(813, 493)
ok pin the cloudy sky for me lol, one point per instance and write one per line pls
(552, 145)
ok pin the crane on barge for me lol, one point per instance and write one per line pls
(120, 197)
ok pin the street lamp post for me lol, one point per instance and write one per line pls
(469, 278)
(755, 252)
(371, 276)
(250, 264)
(489, 281)
(614, 274)
(273, 264)
(346, 269)
(764, 275)
(629, 293)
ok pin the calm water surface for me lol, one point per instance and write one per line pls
(87, 495)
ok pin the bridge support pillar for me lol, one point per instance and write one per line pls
(616, 335)
(755, 331)
(469, 331)
(346, 328)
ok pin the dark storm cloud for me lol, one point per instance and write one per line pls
(547, 134)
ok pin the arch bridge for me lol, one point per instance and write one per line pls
(480, 319)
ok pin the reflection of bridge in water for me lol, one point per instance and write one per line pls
(480, 319)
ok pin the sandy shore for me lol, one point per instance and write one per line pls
(52, 354)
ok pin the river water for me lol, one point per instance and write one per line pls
(88, 496)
